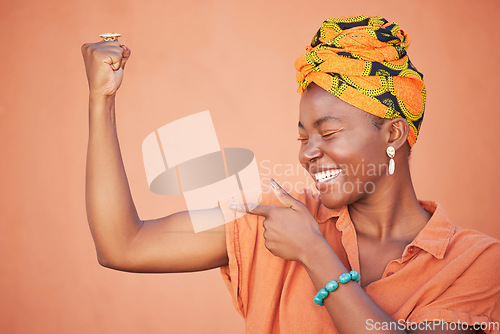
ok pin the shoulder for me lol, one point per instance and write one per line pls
(459, 270)
(475, 256)
(470, 236)
(451, 239)
(468, 243)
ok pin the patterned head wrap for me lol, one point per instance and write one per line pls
(362, 60)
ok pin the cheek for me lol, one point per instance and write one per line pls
(356, 157)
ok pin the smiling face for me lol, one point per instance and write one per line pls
(341, 148)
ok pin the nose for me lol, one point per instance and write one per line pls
(310, 152)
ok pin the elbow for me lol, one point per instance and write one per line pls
(116, 263)
(106, 262)
(109, 262)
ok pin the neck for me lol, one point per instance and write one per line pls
(391, 212)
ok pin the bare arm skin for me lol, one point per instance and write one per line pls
(122, 240)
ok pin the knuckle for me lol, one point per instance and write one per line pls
(92, 49)
(265, 224)
(87, 48)
(283, 195)
(281, 192)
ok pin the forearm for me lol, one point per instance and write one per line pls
(349, 306)
(111, 212)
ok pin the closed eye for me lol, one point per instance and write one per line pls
(330, 133)
(324, 135)
(303, 139)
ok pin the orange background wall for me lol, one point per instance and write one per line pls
(236, 59)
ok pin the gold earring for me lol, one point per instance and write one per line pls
(391, 152)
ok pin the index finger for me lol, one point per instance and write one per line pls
(252, 208)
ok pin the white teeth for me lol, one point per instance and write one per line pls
(327, 175)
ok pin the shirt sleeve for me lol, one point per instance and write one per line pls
(249, 259)
(245, 248)
(471, 299)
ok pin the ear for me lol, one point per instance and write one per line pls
(397, 130)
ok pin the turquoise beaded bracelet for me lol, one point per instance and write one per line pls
(333, 285)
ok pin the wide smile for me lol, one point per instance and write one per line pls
(327, 175)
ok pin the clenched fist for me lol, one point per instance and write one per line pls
(104, 64)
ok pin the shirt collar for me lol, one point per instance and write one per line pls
(324, 214)
(436, 234)
(433, 238)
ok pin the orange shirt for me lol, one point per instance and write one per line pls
(446, 273)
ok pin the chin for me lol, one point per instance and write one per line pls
(333, 201)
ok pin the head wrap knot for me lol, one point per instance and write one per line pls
(362, 60)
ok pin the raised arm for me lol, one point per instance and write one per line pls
(122, 240)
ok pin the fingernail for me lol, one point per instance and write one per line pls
(274, 184)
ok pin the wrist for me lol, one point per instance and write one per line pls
(101, 107)
(99, 98)
(99, 103)
(317, 250)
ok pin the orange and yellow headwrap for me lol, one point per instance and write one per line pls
(362, 60)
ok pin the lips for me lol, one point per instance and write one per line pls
(327, 174)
